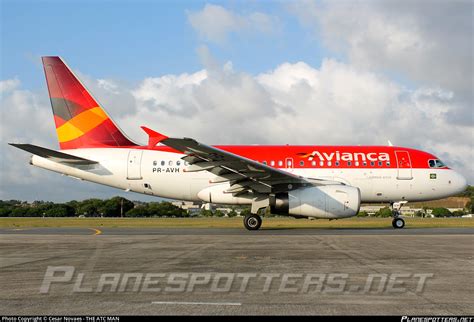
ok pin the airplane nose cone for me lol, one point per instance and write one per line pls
(459, 183)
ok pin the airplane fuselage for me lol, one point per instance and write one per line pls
(382, 174)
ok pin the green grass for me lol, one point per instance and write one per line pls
(278, 223)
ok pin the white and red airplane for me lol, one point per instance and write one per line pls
(301, 181)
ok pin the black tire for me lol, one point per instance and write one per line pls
(252, 222)
(398, 223)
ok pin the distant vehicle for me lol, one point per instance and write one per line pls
(301, 181)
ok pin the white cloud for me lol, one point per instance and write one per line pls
(108, 85)
(26, 118)
(168, 92)
(215, 23)
(428, 42)
(9, 85)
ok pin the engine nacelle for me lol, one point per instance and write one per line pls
(330, 202)
(217, 194)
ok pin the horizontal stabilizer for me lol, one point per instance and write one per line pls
(53, 155)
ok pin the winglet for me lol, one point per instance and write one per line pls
(153, 137)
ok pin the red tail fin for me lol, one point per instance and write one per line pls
(80, 120)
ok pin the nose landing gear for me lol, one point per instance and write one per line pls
(397, 221)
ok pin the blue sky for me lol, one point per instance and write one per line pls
(242, 72)
(135, 39)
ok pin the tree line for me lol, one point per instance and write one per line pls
(122, 207)
(425, 212)
(114, 207)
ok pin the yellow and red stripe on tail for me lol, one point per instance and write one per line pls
(80, 120)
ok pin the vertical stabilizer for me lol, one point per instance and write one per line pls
(80, 121)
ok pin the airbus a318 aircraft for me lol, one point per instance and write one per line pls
(327, 182)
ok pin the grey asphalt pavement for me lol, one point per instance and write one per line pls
(343, 260)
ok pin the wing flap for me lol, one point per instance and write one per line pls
(243, 174)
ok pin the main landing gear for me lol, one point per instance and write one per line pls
(252, 222)
(397, 221)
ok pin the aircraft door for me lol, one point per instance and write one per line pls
(134, 165)
(403, 165)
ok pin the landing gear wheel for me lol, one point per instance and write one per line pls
(398, 223)
(252, 222)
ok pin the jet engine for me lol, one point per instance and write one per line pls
(330, 202)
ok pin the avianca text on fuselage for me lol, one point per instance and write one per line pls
(347, 156)
(93, 148)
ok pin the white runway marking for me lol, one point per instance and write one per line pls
(198, 303)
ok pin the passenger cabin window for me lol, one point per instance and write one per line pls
(302, 163)
(264, 162)
(337, 163)
(272, 163)
(280, 163)
(349, 163)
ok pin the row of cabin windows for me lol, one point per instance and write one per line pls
(328, 163)
(171, 163)
(289, 163)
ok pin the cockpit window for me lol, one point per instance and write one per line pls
(436, 163)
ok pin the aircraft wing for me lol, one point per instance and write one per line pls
(242, 173)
